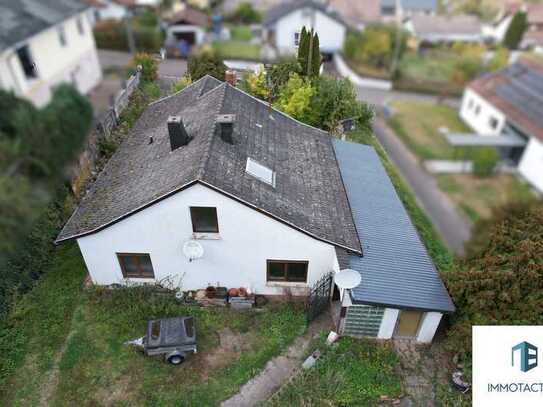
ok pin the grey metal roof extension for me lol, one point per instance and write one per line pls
(396, 268)
(308, 194)
(21, 19)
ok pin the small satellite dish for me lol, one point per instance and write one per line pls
(193, 250)
(347, 279)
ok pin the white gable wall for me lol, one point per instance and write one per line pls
(76, 63)
(477, 114)
(237, 259)
(331, 32)
(531, 164)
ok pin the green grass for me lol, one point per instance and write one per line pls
(441, 256)
(241, 33)
(417, 125)
(237, 50)
(37, 326)
(355, 373)
(435, 66)
(98, 369)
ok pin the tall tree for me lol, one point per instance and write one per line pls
(315, 57)
(309, 53)
(516, 30)
(303, 49)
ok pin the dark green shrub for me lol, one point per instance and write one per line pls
(149, 66)
(484, 161)
(516, 30)
(206, 63)
(280, 72)
(246, 14)
(110, 34)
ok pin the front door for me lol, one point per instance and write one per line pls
(408, 324)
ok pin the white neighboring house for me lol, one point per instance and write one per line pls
(108, 10)
(496, 30)
(269, 200)
(434, 29)
(509, 104)
(283, 24)
(44, 44)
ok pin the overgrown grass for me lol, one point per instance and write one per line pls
(354, 373)
(237, 50)
(441, 256)
(417, 124)
(37, 326)
(98, 369)
(241, 33)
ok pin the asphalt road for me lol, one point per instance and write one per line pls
(167, 68)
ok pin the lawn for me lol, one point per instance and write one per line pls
(97, 369)
(417, 124)
(353, 373)
(477, 196)
(237, 50)
(241, 33)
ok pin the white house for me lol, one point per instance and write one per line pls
(186, 28)
(108, 9)
(496, 30)
(283, 24)
(44, 44)
(509, 104)
(274, 205)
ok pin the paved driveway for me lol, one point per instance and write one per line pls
(167, 68)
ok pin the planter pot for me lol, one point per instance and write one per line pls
(233, 292)
(211, 292)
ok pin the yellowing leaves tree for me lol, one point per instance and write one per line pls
(295, 97)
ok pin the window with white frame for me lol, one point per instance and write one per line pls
(297, 38)
(61, 35)
(493, 122)
(260, 171)
(80, 27)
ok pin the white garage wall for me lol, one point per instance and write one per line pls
(531, 164)
(237, 259)
(428, 327)
(388, 323)
(331, 33)
(480, 122)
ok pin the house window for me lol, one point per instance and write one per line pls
(204, 219)
(470, 104)
(260, 171)
(388, 10)
(136, 265)
(296, 39)
(25, 58)
(61, 36)
(477, 110)
(493, 122)
(291, 271)
(80, 28)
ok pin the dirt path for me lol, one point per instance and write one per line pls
(278, 370)
(48, 387)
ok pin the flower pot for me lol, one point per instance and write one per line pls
(211, 292)
(233, 292)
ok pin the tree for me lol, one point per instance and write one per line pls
(499, 60)
(303, 49)
(465, 70)
(501, 279)
(180, 84)
(316, 57)
(516, 30)
(246, 14)
(295, 97)
(148, 64)
(308, 53)
(484, 161)
(335, 100)
(205, 63)
(376, 47)
(279, 72)
(255, 84)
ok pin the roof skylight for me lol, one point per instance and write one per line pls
(260, 171)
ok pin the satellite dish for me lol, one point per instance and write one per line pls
(193, 250)
(347, 279)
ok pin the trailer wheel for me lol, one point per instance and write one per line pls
(175, 358)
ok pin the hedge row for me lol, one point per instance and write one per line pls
(112, 35)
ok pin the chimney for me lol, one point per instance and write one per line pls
(230, 77)
(226, 127)
(178, 134)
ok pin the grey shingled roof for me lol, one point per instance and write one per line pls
(418, 5)
(21, 19)
(396, 268)
(287, 7)
(308, 193)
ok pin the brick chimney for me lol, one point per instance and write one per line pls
(231, 77)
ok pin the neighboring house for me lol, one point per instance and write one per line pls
(109, 9)
(505, 106)
(496, 30)
(284, 22)
(186, 27)
(44, 43)
(427, 29)
(533, 36)
(399, 10)
(274, 204)
(358, 13)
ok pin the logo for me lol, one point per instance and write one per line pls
(528, 355)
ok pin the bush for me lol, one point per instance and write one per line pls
(295, 97)
(180, 84)
(501, 280)
(246, 14)
(465, 69)
(484, 161)
(516, 30)
(280, 72)
(499, 60)
(205, 63)
(111, 34)
(255, 84)
(149, 66)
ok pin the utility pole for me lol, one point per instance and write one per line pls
(129, 33)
